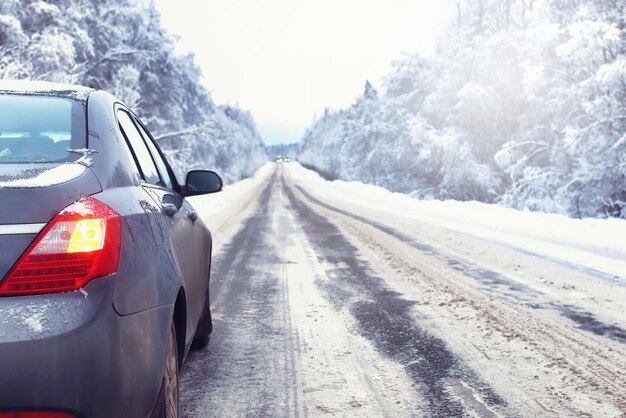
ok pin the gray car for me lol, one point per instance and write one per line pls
(104, 263)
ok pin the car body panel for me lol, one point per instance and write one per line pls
(100, 352)
(202, 240)
(180, 228)
(147, 274)
(108, 144)
(23, 205)
(82, 357)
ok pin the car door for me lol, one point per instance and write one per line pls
(175, 211)
(198, 285)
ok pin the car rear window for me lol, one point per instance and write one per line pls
(40, 129)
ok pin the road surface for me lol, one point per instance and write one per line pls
(323, 308)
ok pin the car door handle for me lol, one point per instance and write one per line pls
(169, 209)
(192, 215)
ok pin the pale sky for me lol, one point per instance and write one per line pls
(286, 60)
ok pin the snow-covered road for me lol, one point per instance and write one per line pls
(332, 302)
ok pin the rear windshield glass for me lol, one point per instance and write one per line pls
(38, 129)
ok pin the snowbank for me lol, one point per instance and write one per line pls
(596, 244)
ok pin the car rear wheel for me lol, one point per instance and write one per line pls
(170, 378)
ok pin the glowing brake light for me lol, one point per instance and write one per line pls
(79, 244)
(83, 235)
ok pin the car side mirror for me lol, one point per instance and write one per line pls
(203, 182)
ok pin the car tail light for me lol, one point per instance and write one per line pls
(79, 244)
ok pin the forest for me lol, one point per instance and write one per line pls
(120, 46)
(522, 104)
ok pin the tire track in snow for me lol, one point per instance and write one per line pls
(492, 281)
(248, 368)
(385, 318)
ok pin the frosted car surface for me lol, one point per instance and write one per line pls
(104, 264)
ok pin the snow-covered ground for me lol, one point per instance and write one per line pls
(335, 298)
(596, 244)
(217, 210)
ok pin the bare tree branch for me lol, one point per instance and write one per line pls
(189, 131)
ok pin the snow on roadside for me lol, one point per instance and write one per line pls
(597, 244)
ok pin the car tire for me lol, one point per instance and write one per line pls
(205, 326)
(171, 377)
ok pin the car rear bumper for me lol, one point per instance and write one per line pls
(72, 352)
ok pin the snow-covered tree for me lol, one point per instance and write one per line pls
(524, 103)
(120, 46)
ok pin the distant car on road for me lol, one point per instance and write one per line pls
(104, 263)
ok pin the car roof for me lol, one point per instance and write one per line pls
(45, 88)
